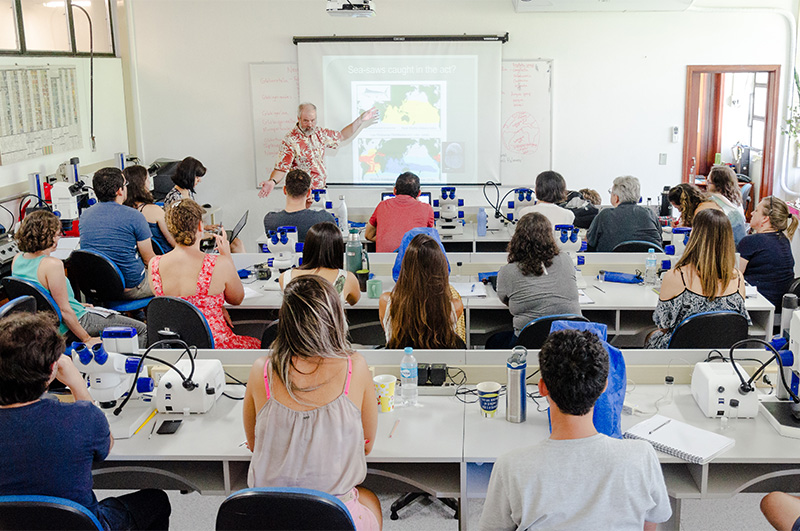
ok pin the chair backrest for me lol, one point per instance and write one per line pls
(157, 249)
(795, 287)
(17, 287)
(45, 513)
(636, 246)
(535, 333)
(269, 334)
(175, 318)
(283, 508)
(719, 329)
(25, 303)
(96, 276)
(746, 198)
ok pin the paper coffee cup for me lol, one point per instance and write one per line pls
(488, 396)
(384, 388)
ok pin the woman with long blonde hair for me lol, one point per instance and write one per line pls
(423, 310)
(310, 411)
(705, 278)
(766, 255)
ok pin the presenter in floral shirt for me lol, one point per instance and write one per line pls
(304, 146)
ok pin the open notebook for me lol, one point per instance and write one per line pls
(677, 438)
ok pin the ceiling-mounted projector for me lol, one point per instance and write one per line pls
(350, 8)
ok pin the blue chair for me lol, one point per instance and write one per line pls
(26, 303)
(535, 333)
(719, 329)
(175, 318)
(45, 513)
(285, 509)
(18, 287)
(101, 281)
(636, 246)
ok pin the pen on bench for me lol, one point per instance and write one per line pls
(152, 429)
(600, 289)
(473, 289)
(658, 427)
(396, 423)
(153, 414)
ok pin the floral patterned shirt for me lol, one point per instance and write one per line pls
(307, 152)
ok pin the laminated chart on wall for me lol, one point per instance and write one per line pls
(39, 112)
(273, 87)
(525, 120)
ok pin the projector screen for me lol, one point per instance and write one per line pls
(439, 105)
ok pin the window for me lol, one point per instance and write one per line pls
(9, 40)
(46, 26)
(51, 27)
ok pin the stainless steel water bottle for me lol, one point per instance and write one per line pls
(516, 393)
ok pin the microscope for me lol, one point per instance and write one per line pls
(566, 237)
(522, 198)
(111, 369)
(783, 412)
(320, 201)
(284, 248)
(448, 215)
(67, 193)
(680, 237)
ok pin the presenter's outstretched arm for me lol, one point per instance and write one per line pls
(366, 119)
(267, 186)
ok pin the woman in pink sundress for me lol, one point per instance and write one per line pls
(206, 280)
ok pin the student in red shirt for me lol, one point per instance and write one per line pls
(394, 217)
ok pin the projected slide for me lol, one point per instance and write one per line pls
(438, 106)
(409, 134)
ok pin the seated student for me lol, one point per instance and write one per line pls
(119, 233)
(49, 446)
(187, 175)
(766, 256)
(781, 510)
(206, 280)
(551, 189)
(310, 411)
(705, 279)
(394, 217)
(578, 478)
(583, 204)
(140, 198)
(724, 189)
(323, 255)
(627, 221)
(689, 200)
(37, 237)
(538, 279)
(297, 187)
(422, 310)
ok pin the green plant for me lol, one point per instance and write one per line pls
(793, 122)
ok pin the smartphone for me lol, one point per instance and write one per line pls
(169, 426)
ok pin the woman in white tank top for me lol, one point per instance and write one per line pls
(323, 255)
(310, 411)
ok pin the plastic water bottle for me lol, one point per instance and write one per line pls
(408, 377)
(650, 268)
(482, 221)
(342, 215)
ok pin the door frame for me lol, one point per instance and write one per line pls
(770, 127)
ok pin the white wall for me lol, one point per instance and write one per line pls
(619, 79)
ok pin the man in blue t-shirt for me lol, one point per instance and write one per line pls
(48, 447)
(118, 232)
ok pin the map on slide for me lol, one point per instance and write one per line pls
(383, 159)
(409, 133)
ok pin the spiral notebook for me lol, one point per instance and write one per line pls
(677, 438)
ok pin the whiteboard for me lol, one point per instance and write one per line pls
(525, 109)
(526, 118)
(273, 88)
